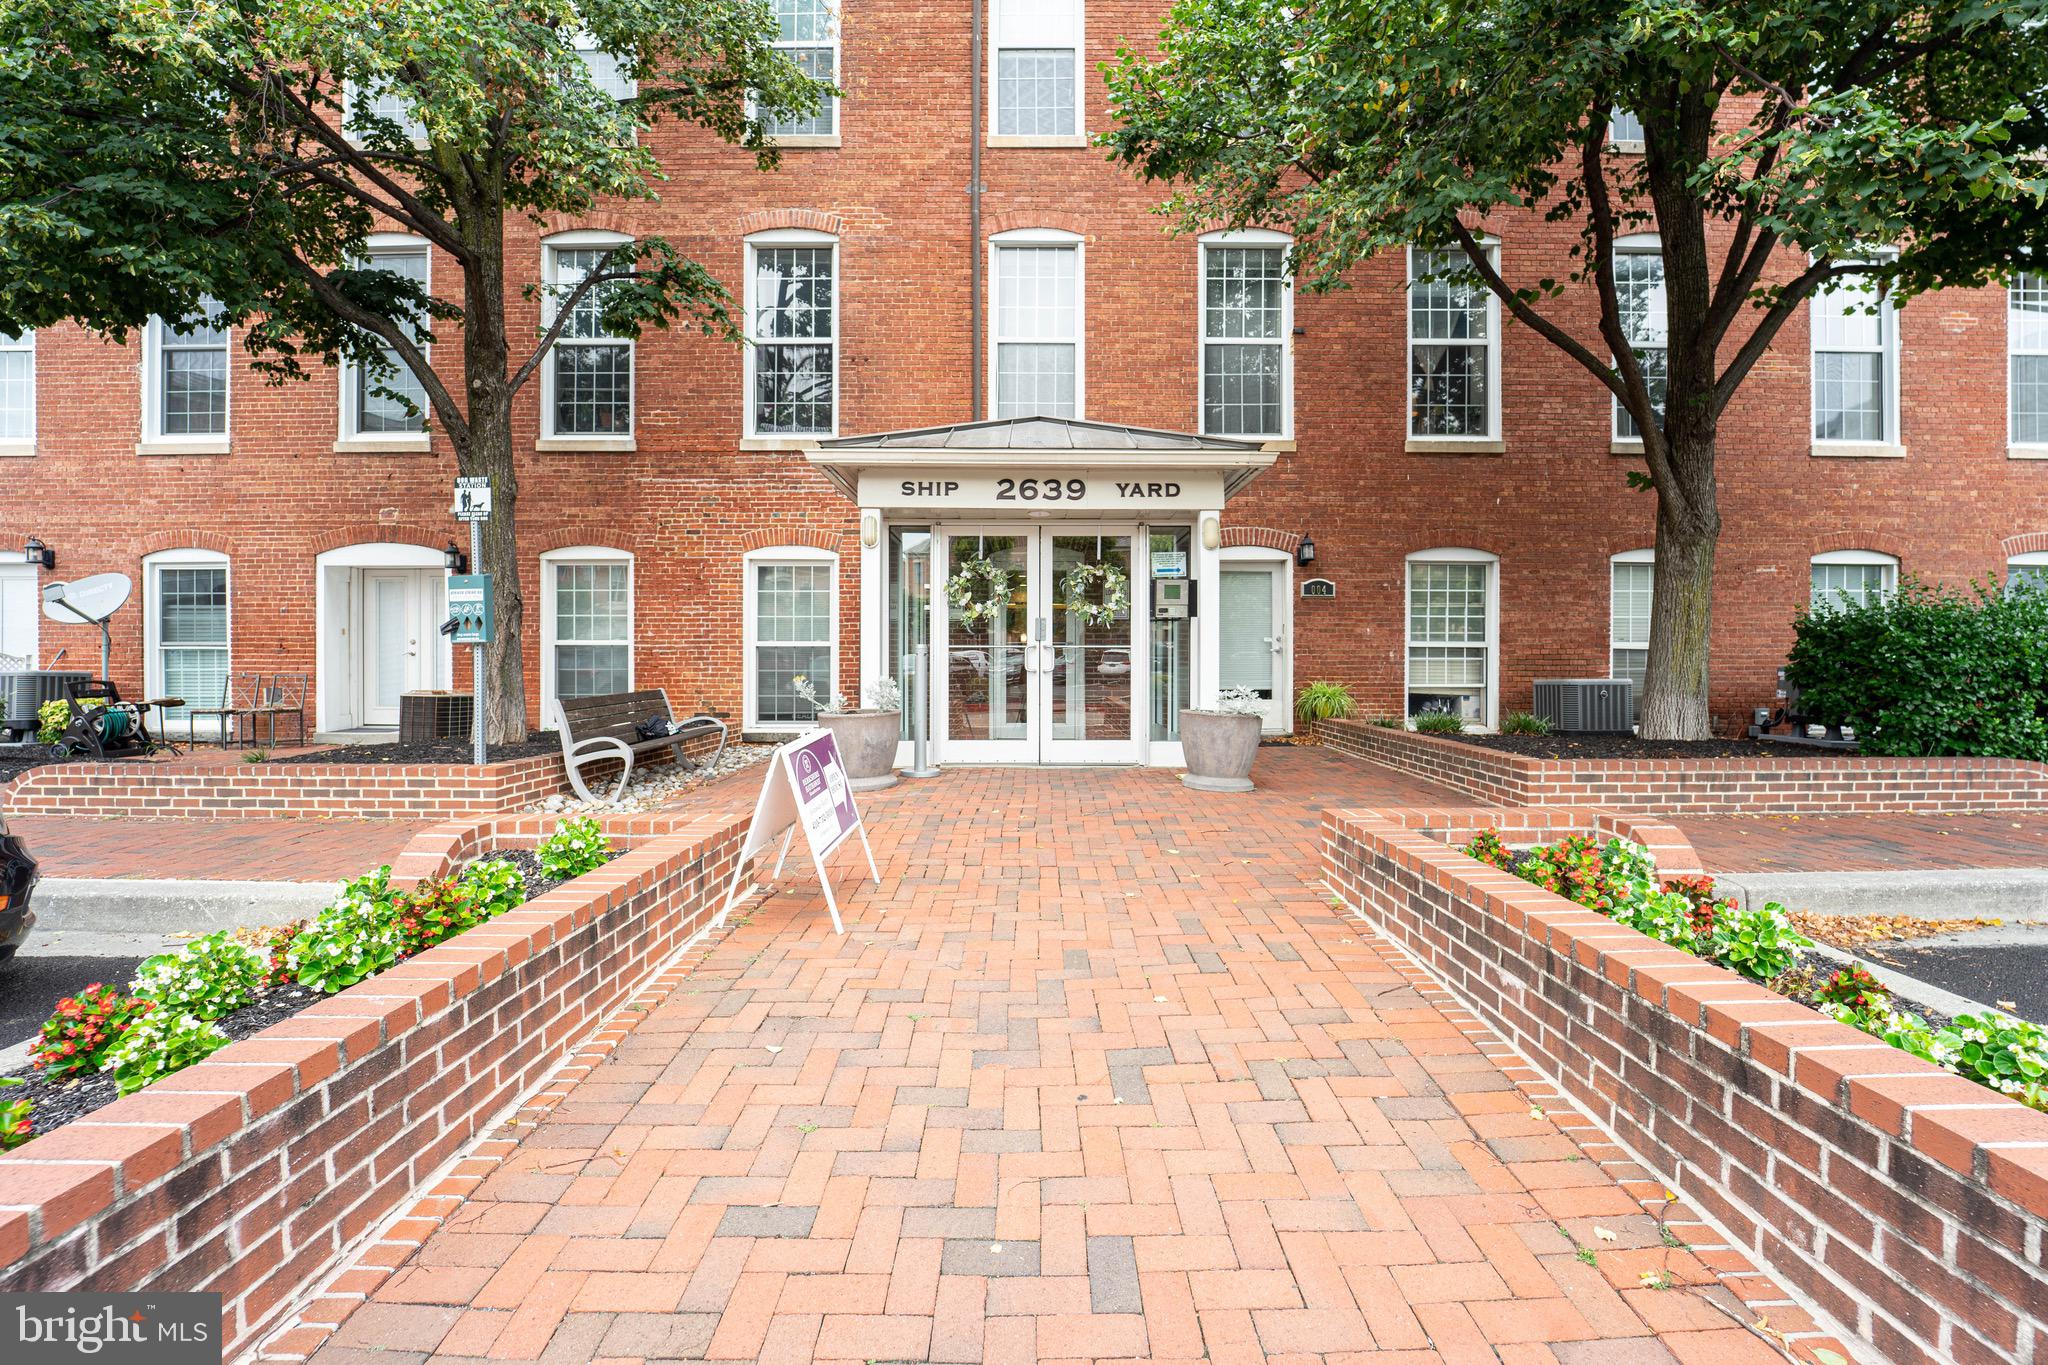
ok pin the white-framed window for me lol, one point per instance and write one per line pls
(188, 637)
(2026, 342)
(1453, 348)
(607, 72)
(185, 377)
(1639, 288)
(1633, 574)
(360, 103)
(1452, 633)
(1035, 81)
(792, 631)
(394, 402)
(587, 383)
(1853, 578)
(17, 389)
(1855, 364)
(807, 32)
(792, 308)
(1624, 131)
(2029, 570)
(1247, 335)
(586, 624)
(1037, 329)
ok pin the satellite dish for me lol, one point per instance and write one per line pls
(88, 599)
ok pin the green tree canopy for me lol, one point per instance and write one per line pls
(1787, 144)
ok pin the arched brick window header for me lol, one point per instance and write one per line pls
(1015, 220)
(769, 220)
(800, 535)
(2027, 543)
(157, 542)
(1852, 540)
(384, 534)
(1262, 537)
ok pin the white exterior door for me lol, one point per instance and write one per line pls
(398, 649)
(1254, 638)
(20, 610)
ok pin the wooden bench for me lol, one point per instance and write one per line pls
(606, 728)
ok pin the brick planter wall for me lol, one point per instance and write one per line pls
(1819, 785)
(1910, 1203)
(251, 1172)
(312, 791)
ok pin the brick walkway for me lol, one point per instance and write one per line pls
(1868, 843)
(211, 850)
(1100, 1074)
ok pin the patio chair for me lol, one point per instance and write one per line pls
(282, 698)
(239, 698)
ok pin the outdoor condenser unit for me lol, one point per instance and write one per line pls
(24, 693)
(1586, 705)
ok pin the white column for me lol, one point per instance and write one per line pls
(1208, 606)
(874, 604)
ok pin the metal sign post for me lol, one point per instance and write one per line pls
(473, 505)
(920, 715)
(476, 666)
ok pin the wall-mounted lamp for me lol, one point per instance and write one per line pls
(870, 529)
(455, 559)
(39, 554)
(1305, 553)
(1212, 533)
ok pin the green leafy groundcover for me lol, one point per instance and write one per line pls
(1619, 880)
(165, 1018)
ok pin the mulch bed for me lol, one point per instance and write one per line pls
(1631, 746)
(458, 751)
(15, 762)
(58, 1102)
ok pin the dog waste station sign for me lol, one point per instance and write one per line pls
(805, 788)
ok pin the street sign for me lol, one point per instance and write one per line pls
(472, 498)
(469, 608)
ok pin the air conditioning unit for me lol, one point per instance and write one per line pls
(25, 693)
(1586, 705)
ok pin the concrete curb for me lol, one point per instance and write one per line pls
(2016, 893)
(119, 905)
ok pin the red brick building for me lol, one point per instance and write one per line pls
(713, 521)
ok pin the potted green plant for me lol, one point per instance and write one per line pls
(1324, 701)
(866, 735)
(1219, 744)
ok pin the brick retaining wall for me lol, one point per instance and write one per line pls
(1910, 1203)
(1817, 785)
(284, 791)
(250, 1172)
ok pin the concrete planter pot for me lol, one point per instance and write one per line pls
(867, 745)
(1219, 749)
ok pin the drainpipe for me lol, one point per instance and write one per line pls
(974, 252)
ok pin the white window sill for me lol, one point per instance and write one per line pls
(1278, 445)
(395, 443)
(15, 449)
(1037, 140)
(2013, 452)
(1621, 447)
(210, 445)
(1436, 445)
(782, 442)
(800, 141)
(1858, 450)
(1626, 146)
(589, 445)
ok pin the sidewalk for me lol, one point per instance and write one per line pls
(1098, 1073)
(211, 850)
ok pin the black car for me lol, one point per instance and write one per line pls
(17, 878)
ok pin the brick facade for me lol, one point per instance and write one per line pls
(692, 496)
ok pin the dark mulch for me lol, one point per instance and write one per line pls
(439, 751)
(14, 762)
(1630, 746)
(538, 883)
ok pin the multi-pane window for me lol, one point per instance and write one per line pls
(2026, 330)
(1629, 628)
(2027, 572)
(18, 387)
(590, 370)
(1639, 287)
(807, 32)
(188, 375)
(607, 72)
(1624, 131)
(793, 325)
(366, 105)
(1037, 68)
(1853, 344)
(1244, 340)
(1037, 321)
(593, 635)
(791, 637)
(1450, 637)
(1852, 578)
(1451, 364)
(191, 632)
(391, 401)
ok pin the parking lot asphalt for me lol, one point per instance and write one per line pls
(52, 965)
(1994, 966)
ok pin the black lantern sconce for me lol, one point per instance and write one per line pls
(39, 554)
(1305, 553)
(455, 559)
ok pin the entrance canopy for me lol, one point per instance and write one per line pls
(1039, 464)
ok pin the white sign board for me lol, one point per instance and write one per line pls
(805, 788)
(1027, 488)
(472, 498)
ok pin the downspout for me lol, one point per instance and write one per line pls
(974, 251)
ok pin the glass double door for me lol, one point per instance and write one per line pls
(1039, 636)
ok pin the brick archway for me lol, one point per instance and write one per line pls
(2026, 543)
(816, 538)
(770, 220)
(1261, 537)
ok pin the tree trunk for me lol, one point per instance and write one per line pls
(1674, 701)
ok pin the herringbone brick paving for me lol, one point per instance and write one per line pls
(1099, 1073)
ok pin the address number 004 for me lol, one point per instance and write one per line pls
(1041, 490)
